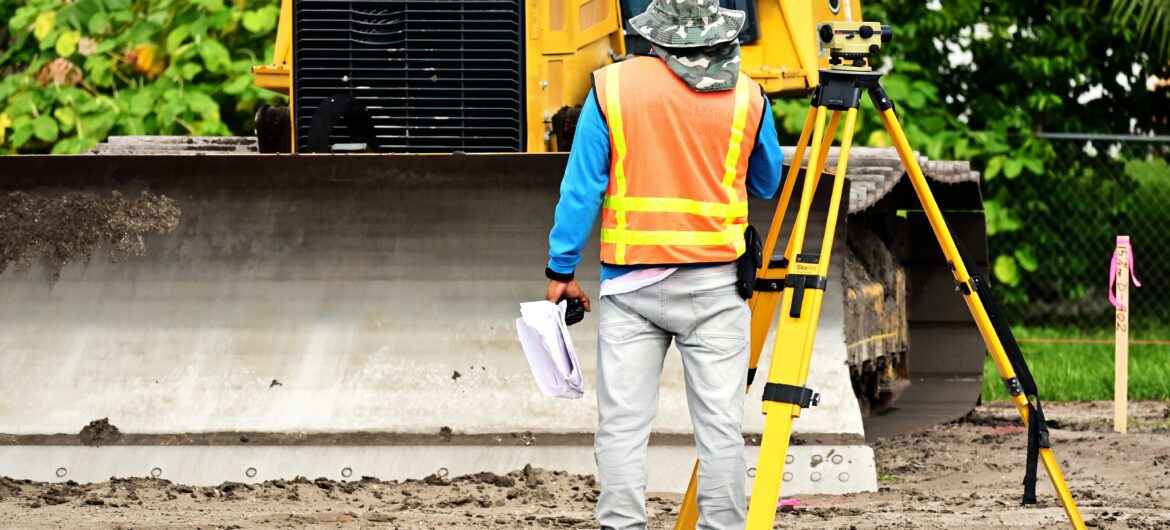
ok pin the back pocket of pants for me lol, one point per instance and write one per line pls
(622, 330)
(722, 343)
(721, 317)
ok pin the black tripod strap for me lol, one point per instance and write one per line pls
(1023, 383)
(795, 395)
(1037, 438)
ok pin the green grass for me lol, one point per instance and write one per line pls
(886, 476)
(1084, 372)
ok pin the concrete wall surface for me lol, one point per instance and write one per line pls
(816, 469)
(318, 295)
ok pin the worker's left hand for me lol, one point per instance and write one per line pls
(558, 291)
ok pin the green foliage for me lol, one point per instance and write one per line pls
(1149, 19)
(1033, 67)
(886, 475)
(77, 71)
(975, 80)
(1084, 372)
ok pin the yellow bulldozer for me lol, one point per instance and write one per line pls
(346, 310)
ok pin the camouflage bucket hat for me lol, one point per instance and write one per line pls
(710, 69)
(688, 23)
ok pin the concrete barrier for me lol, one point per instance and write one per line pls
(318, 294)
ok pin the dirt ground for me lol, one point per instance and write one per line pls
(958, 476)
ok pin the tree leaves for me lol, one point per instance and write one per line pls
(21, 132)
(44, 25)
(45, 128)
(5, 123)
(20, 19)
(1035, 165)
(1006, 271)
(1026, 259)
(1150, 19)
(147, 66)
(1033, 73)
(215, 55)
(98, 23)
(1012, 167)
(67, 43)
(994, 166)
(177, 36)
(261, 20)
(66, 117)
(999, 219)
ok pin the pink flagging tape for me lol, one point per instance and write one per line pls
(1122, 241)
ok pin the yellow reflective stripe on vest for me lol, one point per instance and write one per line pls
(613, 107)
(675, 205)
(733, 209)
(731, 163)
(731, 235)
(738, 122)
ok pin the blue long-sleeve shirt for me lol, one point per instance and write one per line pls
(587, 176)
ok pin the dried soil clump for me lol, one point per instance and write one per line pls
(99, 432)
(9, 488)
(72, 227)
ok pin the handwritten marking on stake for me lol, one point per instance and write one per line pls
(1120, 273)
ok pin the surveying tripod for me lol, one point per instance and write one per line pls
(798, 280)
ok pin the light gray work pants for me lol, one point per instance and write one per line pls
(700, 309)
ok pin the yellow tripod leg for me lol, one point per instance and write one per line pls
(796, 333)
(978, 311)
(762, 305)
(826, 144)
(688, 512)
(786, 191)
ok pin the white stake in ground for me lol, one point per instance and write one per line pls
(1120, 272)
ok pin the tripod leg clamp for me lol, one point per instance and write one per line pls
(795, 395)
(1013, 386)
(800, 282)
(766, 285)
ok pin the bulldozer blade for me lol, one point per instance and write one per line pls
(250, 317)
(317, 294)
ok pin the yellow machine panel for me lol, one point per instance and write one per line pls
(785, 59)
(565, 40)
(277, 75)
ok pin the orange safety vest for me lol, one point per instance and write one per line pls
(678, 165)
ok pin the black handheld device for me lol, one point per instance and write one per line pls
(575, 312)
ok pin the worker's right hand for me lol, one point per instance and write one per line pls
(558, 291)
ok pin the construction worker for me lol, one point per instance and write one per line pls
(667, 148)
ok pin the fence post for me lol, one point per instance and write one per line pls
(1120, 299)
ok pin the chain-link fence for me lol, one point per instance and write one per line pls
(1053, 235)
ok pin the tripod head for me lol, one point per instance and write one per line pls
(852, 44)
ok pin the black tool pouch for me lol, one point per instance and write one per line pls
(746, 265)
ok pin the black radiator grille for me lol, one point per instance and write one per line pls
(435, 75)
